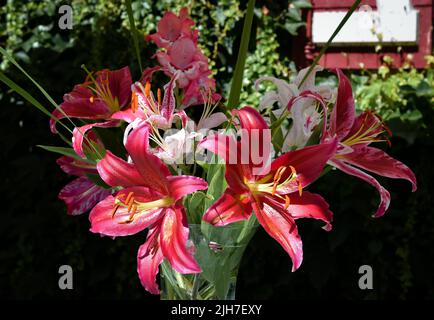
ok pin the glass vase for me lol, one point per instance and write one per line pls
(218, 250)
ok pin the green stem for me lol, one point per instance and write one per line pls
(195, 288)
(237, 79)
(134, 32)
(324, 49)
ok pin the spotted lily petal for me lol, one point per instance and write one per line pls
(173, 239)
(113, 219)
(149, 258)
(279, 225)
(81, 195)
(229, 208)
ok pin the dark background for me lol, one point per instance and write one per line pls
(37, 236)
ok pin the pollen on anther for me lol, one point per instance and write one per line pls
(115, 208)
(147, 89)
(287, 201)
(159, 96)
(300, 188)
(127, 200)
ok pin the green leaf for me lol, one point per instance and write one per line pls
(277, 137)
(65, 151)
(134, 32)
(95, 178)
(237, 79)
(216, 186)
(330, 40)
(27, 96)
(301, 4)
(195, 205)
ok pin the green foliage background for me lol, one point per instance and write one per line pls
(37, 236)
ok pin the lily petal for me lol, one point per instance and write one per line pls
(227, 148)
(384, 194)
(310, 205)
(308, 163)
(79, 133)
(213, 121)
(173, 239)
(251, 119)
(228, 209)
(77, 104)
(81, 195)
(107, 220)
(117, 172)
(168, 104)
(180, 186)
(279, 225)
(344, 112)
(75, 167)
(379, 162)
(152, 169)
(149, 258)
(284, 92)
(120, 85)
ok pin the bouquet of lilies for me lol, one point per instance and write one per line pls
(201, 174)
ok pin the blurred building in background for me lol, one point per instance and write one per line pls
(400, 29)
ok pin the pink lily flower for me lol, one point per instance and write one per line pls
(159, 113)
(98, 98)
(355, 134)
(150, 197)
(275, 197)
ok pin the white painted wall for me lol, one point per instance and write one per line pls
(395, 23)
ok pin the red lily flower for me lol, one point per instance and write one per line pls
(276, 197)
(98, 98)
(151, 197)
(354, 153)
